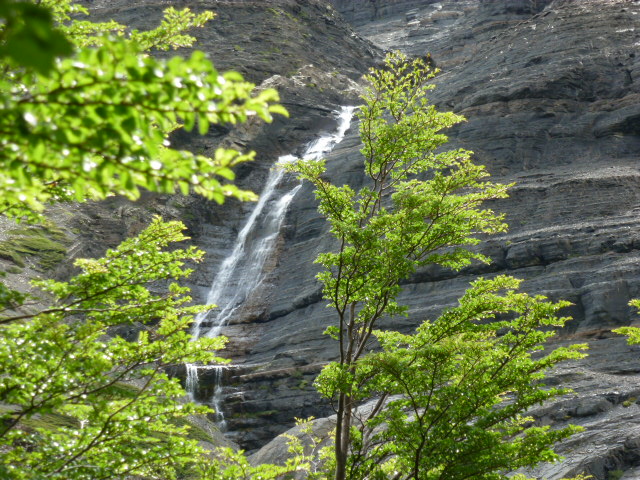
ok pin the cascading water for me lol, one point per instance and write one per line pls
(217, 398)
(191, 382)
(191, 386)
(243, 271)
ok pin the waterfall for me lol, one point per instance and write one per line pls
(243, 270)
(191, 384)
(216, 400)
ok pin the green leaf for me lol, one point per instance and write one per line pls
(279, 109)
(203, 124)
(30, 39)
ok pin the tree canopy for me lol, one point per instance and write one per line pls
(96, 122)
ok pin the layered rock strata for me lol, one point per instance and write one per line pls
(550, 93)
(550, 89)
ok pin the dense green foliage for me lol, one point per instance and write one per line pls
(29, 38)
(447, 401)
(451, 399)
(97, 123)
(114, 395)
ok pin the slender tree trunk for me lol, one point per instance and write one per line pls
(343, 433)
(341, 460)
(345, 400)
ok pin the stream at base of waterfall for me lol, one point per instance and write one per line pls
(243, 270)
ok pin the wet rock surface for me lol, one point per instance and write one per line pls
(550, 90)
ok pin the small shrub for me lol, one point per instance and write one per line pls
(615, 474)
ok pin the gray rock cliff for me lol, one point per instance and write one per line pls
(551, 92)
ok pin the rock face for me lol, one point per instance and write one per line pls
(363, 12)
(551, 91)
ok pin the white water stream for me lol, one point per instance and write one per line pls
(243, 270)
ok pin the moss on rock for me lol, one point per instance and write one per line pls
(47, 244)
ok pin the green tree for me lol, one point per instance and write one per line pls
(97, 122)
(86, 116)
(79, 403)
(421, 205)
